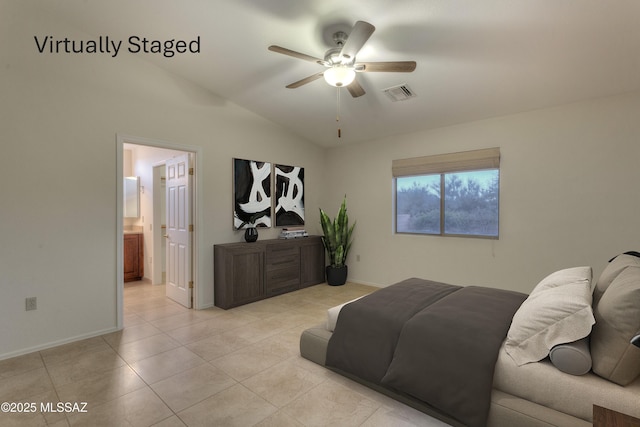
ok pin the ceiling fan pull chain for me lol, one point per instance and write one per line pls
(338, 112)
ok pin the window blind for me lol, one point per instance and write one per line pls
(488, 158)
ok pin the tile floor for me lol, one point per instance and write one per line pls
(171, 366)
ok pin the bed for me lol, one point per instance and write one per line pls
(475, 356)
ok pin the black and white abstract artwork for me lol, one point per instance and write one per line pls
(289, 182)
(252, 192)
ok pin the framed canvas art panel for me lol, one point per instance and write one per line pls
(252, 194)
(289, 195)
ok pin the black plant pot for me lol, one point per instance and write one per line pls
(336, 276)
(251, 234)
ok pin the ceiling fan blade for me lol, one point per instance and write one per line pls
(393, 67)
(355, 89)
(289, 52)
(305, 80)
(359, 35)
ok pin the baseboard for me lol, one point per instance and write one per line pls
(56, 343)
(363, 282)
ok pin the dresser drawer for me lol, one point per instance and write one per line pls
(280, 256)
(283, 279)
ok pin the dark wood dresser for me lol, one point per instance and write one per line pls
(248, 272)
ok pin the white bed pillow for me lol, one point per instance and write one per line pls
(557, 311)
(564, 277)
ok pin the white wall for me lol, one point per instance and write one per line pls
(60, 116)
(569, 196)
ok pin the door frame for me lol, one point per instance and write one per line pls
(158, 250)
(197, 204)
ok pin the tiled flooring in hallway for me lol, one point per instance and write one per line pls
(171, 366)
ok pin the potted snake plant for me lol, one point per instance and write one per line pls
(337, 242)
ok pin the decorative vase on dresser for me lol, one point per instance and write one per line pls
(251, 234)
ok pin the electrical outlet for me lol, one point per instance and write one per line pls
(31, 303)
(358, 258)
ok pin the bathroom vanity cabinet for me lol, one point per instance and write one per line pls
(133, 257)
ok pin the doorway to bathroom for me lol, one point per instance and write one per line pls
(167, 216)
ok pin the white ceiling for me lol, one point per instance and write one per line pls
(475, 59)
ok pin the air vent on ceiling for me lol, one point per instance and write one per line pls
(399, 93)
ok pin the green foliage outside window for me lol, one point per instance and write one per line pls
(470, 206)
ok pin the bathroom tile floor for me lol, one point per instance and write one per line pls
(171, 366)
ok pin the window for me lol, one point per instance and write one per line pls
(451, 195)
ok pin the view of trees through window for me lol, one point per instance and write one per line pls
(470, 203)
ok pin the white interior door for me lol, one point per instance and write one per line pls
(179, 230)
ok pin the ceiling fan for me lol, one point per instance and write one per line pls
(340, 61)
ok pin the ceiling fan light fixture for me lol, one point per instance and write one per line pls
(339, 76)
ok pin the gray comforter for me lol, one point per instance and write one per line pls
(433, 341)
